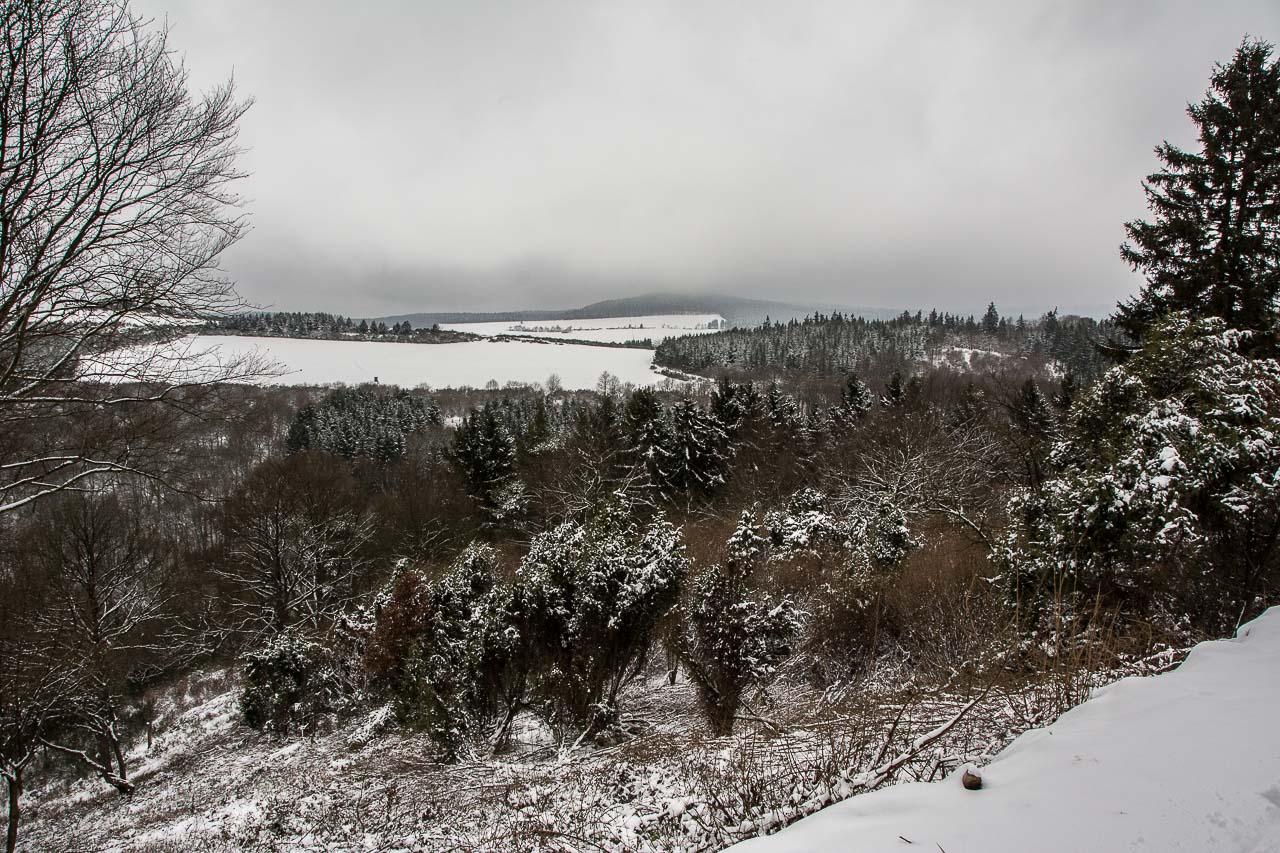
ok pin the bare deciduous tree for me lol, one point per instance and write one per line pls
(295, 543)
(115, 204)
(107, 581)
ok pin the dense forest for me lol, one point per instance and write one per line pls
(866, 551)
(830, 345)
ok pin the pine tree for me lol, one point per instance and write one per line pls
(1213, 245)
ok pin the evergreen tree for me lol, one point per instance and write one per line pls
(600, 440)
(485, 452)
(1166, 496)
(596, 592)
(362, 422)
(856, 399)
(440, 651)
(734, 404)
(1034, 426)
(1066, 395)
(735, 634)
(648, 438)
(1213, 245)
(895, 391)
(991, 320)
(969, 411)
(538, 433)
(783, 414)
(695, 461)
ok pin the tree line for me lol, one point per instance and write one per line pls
(835, 344)
(324, 326)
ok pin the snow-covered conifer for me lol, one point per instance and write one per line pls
(1167, 484)
(596, 591)
(734, 634)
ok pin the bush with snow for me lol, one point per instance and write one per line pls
(434, 653)
(291, 682)
(1166, 493)
(734, 632)
(595, 592)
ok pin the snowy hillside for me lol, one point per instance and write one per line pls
(1187, 761)
(606, 329)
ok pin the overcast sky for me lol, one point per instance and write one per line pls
(473, 155)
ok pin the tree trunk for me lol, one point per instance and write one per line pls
(119, 755)
(15, 793)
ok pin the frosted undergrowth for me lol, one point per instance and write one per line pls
(209, 783)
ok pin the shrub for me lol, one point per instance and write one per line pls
(595, 592)
(291, 682)
(439, 649)
(735, 634)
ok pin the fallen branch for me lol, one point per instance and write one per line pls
(883, 773)
(124, 786)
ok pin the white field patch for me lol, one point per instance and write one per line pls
(472, 363)
(656, 327)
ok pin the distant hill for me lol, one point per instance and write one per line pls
(737, 310)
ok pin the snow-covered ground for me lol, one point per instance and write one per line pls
(471, 363)
(656, 327)
(1187, 761)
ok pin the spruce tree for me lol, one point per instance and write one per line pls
(783, 414)
(856, 400)
(895, 391)
(485, 452)
(1212, 247)
(647, 435)
(991, 320)
(697, 457)
(1035, 428)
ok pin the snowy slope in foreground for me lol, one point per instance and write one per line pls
(1187, 761)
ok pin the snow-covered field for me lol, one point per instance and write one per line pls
(1187, 761)
(656, 327)
(472, 363)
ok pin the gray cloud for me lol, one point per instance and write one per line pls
(416, 156)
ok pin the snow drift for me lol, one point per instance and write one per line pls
(1187, 761)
